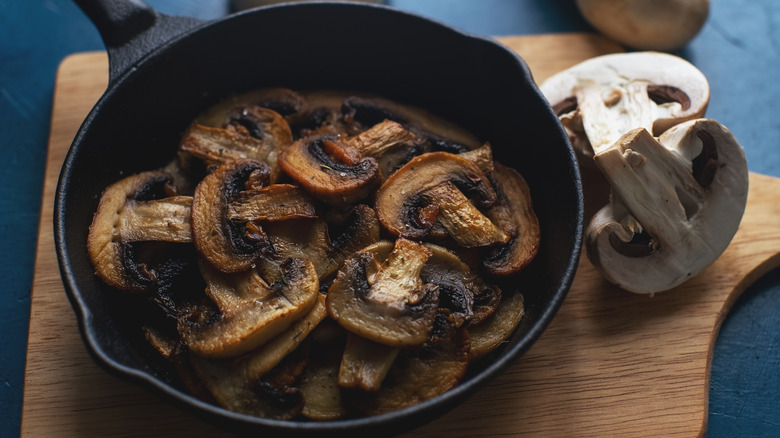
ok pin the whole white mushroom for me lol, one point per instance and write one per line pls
(647, 25)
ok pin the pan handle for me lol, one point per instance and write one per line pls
(131, 29)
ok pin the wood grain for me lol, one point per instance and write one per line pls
(610, 364)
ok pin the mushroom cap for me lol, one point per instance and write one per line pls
(601, 99)
(676, 204)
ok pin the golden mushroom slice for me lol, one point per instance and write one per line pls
(227, 244)
(489, 334)
(260, 382)
(417, 375)
(251, 311)
(436, 184)
(389, 143)
(365, 363)
(435, 133)
(677, 202)
(286, 102)
(277, 202)
(513, 213)
(330, 170)
(251, 132)
(385, 300)
(137, 208)
(604, 97)
(315, 240)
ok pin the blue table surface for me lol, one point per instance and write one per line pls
(738, 50)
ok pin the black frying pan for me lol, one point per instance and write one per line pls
(164, 70)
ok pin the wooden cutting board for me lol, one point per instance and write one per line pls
(610, 364)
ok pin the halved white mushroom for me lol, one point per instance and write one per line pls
(676, 204)
(601, 99)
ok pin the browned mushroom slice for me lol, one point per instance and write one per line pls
(462, 221)
(417, 375)
(312, 240)
(464, 297)
(128, 212)
(288, 103)
(252, 132)
(319, 381)
(276, 202)
(251, 311)
(512, 213)
(330, 170)
(260, 398)
(324, 115)
(437, 133)
(467, 297)
(233, 381)
(225, 243)
(401, 204)
(365, 363)
(385, 300)
(389, 143)
(482, 157)
(492, 332)
(361, 229)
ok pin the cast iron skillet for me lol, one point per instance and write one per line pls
(164, 70)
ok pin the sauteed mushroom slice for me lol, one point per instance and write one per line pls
(276, 202)
(417, 375)
(312, 240)
(228, 245)
(251, 311)
(365, 363)
(250, 132)
(482, 157)
(467, 297)
(489, 334)
(234, 382)
(137, 208)
(385, 300)
(438, 134)
(603, 98)
(389, 143)
(676, 204)
(257, 363)
(319, 381)
(286, 102)
(465, 224)
(330, 170)
(265, 398)
(407, 203)
(514, 214)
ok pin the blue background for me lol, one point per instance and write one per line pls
(738, 50)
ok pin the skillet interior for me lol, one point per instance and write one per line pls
(137, 124)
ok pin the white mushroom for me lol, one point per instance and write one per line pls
(603, 98)
(677, 202)
(647, 25)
